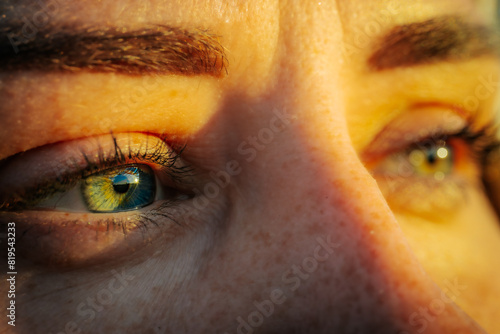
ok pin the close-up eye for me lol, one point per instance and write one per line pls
(119, 189)
(429, 169)
(271, 166)
(433, 159)
(94, 191)
(436, 160)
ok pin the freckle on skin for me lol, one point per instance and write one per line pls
(298, 207)
(262, 237)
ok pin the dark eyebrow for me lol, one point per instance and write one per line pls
(440, 39)
(152, 50)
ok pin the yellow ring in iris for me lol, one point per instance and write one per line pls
(437, 161)
(119, 189)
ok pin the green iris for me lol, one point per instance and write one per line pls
(437, 161)
(119, 189)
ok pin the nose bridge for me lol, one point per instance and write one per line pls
(337, 188)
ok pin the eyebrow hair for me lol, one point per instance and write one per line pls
(151, 50)
(447, 38)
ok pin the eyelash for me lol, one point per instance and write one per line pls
(479, 142)
(423, 193)
(162, 155)
(169, 215)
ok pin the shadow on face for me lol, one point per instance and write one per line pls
(185, 167)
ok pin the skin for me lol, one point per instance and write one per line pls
(392, 264)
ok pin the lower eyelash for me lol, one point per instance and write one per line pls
(68, 241)
(169, 215)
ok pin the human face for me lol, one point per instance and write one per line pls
(324, 183)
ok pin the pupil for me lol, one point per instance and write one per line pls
(431, 157)
(121, 188)
(121, 183)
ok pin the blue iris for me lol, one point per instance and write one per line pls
(120, 189)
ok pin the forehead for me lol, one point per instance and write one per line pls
(256, 33)
(257, 23)
(137, 12)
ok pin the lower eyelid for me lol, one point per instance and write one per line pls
(428, 194)
(432, 196)
(61, 239)
(424, 197)
(57, 239)
(72, 243)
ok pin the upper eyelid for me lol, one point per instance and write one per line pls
(437, 138)
(417, 124)
(103, 157)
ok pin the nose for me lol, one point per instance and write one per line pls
(350, 267)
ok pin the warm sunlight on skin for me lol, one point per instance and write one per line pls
(443, 237)
(105, 102)
(316, 190)
(458, 234)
